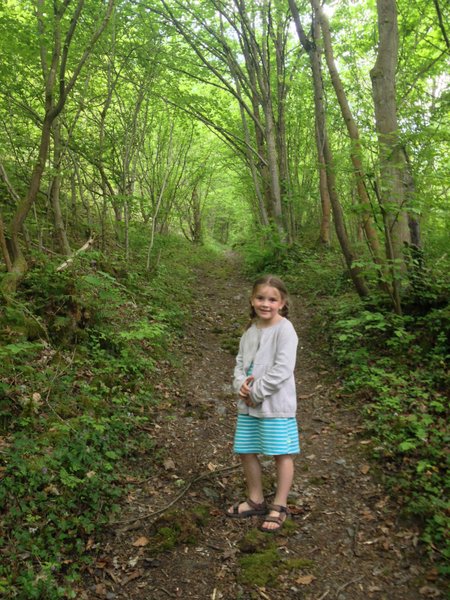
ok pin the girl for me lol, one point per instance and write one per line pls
(264, 380)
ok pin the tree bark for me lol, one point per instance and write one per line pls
(325, 222)
(4, 246)
(353, 131)
(392, 191)
(323, 144)
(54, 192)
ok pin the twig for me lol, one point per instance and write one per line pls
(167, 592)
(86, 246)
(339, 590)
(205, 475)
(324, 595)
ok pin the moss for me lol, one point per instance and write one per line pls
(178, 527)
(260, 568)
(289, 527)
(201, 514)
(230, 344)
(254, 541)
(296, 564)
(166, 539)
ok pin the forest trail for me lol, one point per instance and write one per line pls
(347, 532)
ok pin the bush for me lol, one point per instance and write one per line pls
(76, 348)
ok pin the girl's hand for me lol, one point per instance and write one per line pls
(244, 392)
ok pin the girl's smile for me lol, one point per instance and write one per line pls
(267, 302)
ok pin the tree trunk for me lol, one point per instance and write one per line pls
(323, 144)
(4, 246)
(325, 222)
(54, 192)
(392, 159)
(353, 131)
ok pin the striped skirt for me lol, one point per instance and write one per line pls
(270, 436)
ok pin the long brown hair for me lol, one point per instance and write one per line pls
(275, 282)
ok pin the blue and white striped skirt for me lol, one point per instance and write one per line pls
(270, 436)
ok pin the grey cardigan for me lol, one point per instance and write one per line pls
(273, 351)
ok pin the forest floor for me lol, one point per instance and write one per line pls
(172, 539)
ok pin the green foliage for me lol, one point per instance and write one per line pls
(398, 366)
(80, 354)
(58, 489)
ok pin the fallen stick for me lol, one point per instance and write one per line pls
(340, 589)
(66, 263)
(204, 475)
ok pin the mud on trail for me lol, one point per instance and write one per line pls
(172, 539)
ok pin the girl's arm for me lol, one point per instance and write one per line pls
(280, 371)
(239, 375)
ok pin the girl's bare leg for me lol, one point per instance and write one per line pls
(253, 478)
(285, 476)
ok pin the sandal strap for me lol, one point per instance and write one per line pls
(277, 520)
(256, 505)
(279, 508)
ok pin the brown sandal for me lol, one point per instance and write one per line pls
(278, 520)
(257, 509)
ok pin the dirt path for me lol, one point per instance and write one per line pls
(346, 541)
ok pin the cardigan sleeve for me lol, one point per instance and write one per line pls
(282, 368)
(239, 374)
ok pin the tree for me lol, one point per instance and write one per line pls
(391, 190)
(324, 148)
(57, 86)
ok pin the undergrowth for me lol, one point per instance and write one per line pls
(81, 355)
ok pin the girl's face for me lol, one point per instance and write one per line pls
(267, 302)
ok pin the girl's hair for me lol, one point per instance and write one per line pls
(272, 281)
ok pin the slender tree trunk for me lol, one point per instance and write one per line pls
(262, 212)
(392, 159)
(341, 233)
(4, 246)
(54, 192)
(353, 131)
(325, 222)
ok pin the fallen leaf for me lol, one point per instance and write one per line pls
(100, 589)
(169, 464)
(305, 579)
(430, 592)
(131, 576)
(100, 564)
(141, 541)
(89, 543)
(364, 469)
(432, 575)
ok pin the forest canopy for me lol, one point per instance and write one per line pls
(300, 120)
